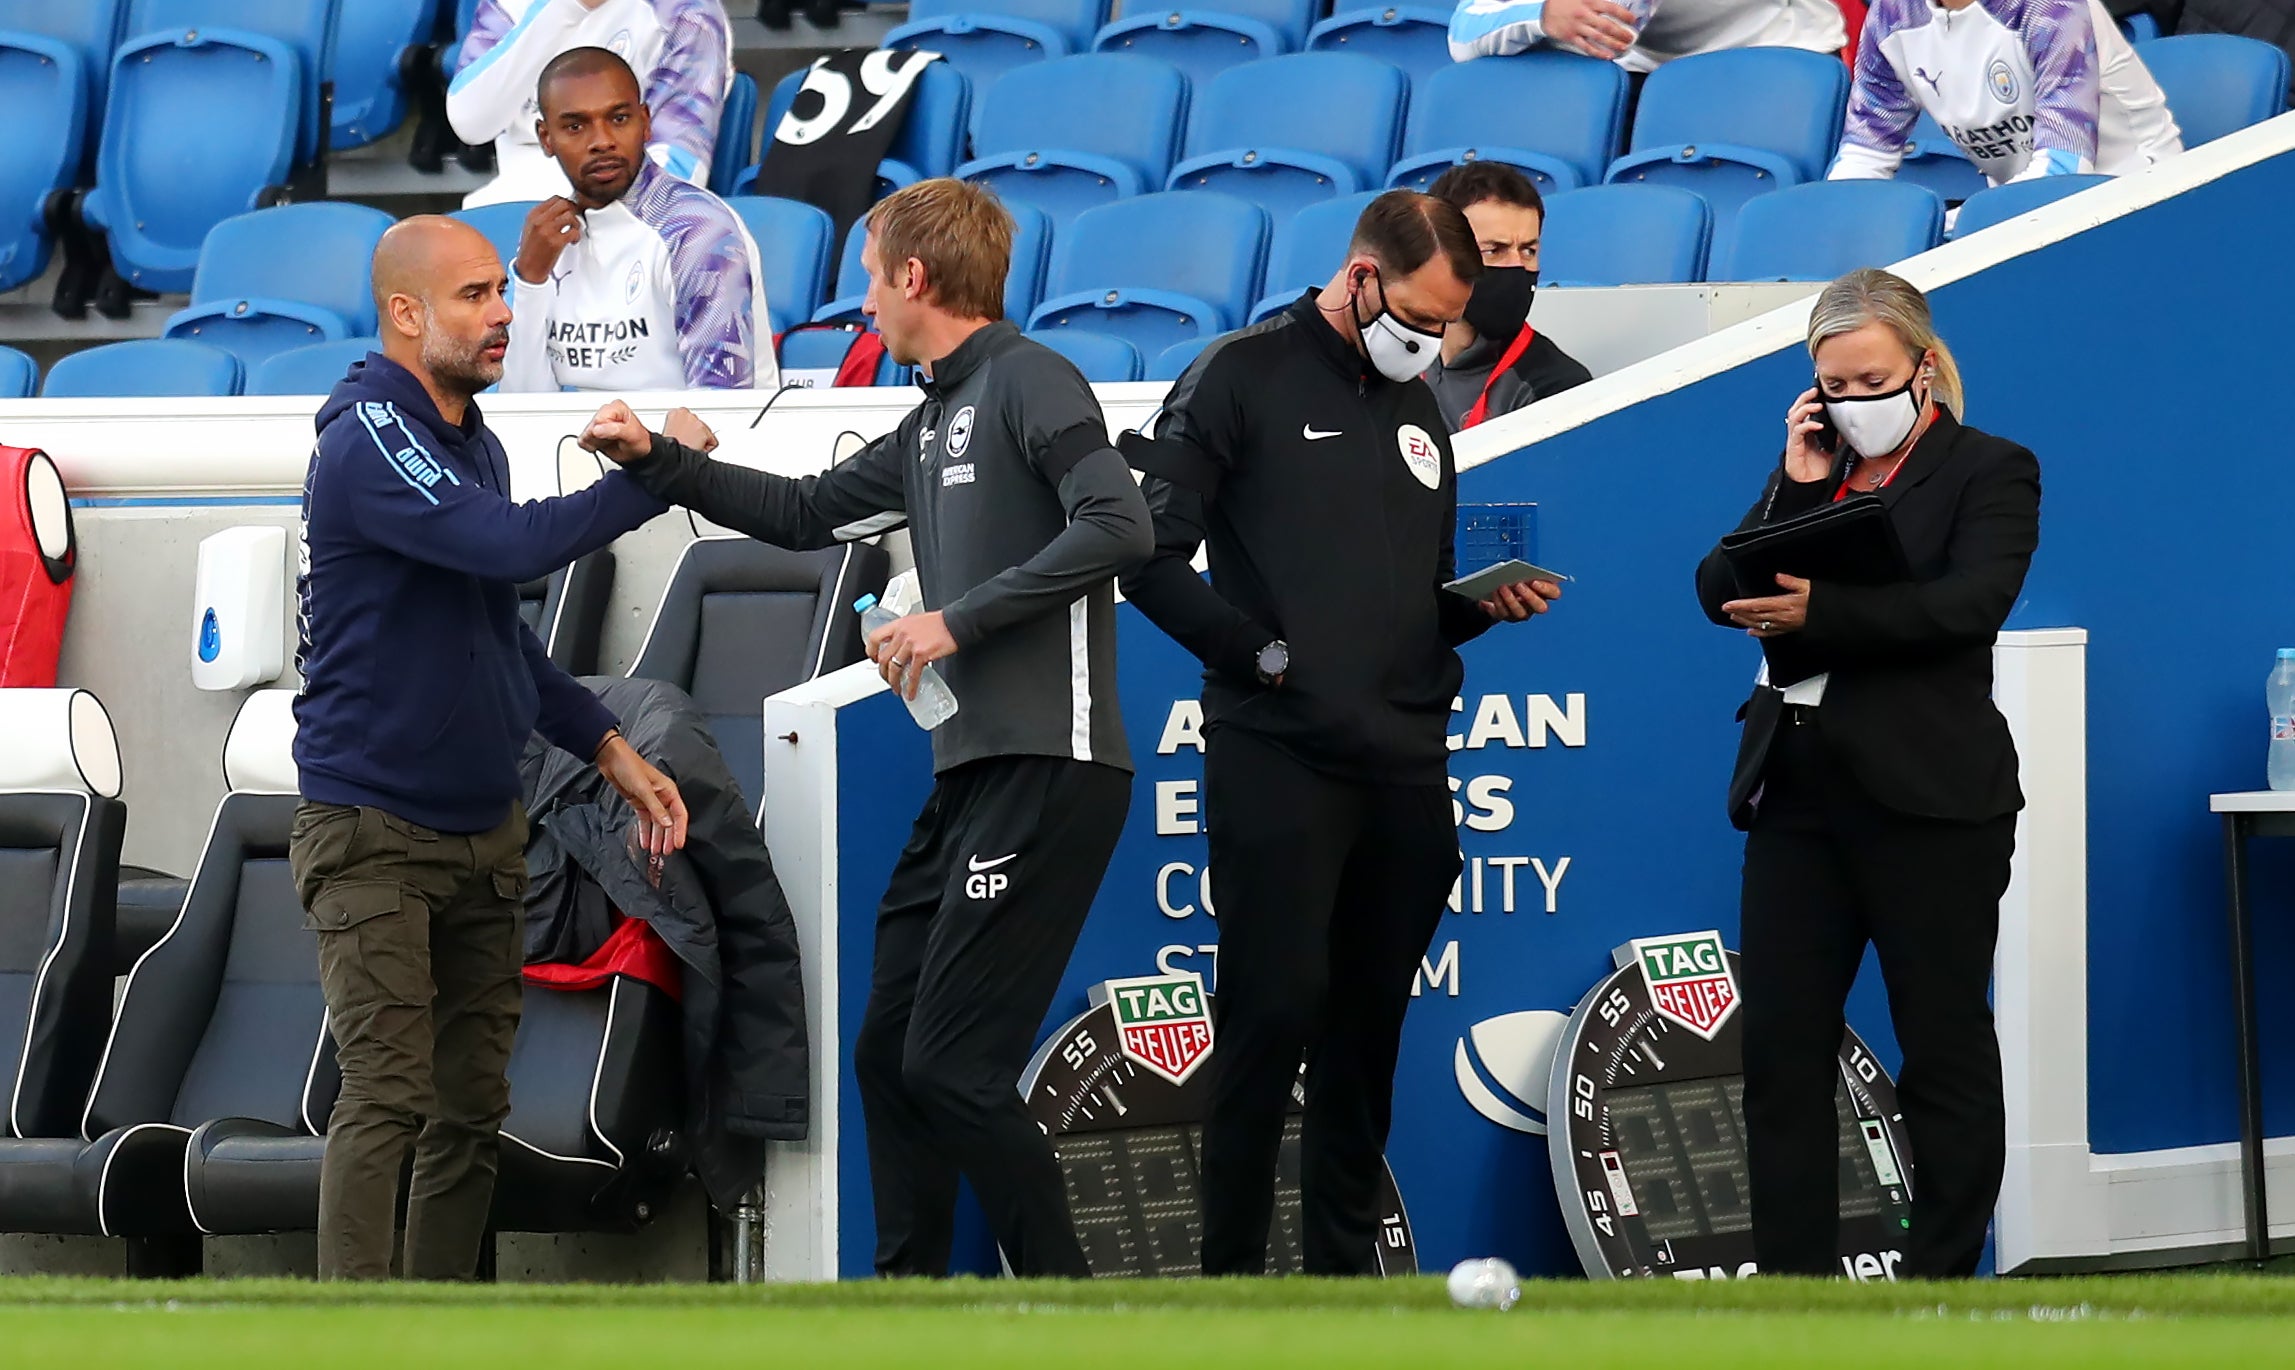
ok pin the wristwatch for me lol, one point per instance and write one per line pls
(1273, 661)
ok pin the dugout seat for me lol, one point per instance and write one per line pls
(741, 620)
(145, 367)
(283, 278)
(1308, 249)
(1625, 235)
(931, 138)
(91, 30)
(222, 1018)
(736, 134)
(795, 243)
(1289, 131)
(45, 87)
(19, 375)
(1103, 359)
(503, 224)
(306, 28)
(1734, 124)
(1826, 229)
(1075, 132)
(986, 38)
(1933, 160)
(1203, 42)
(2217, 83)
(1412, 38)
(2005, 202)
(567, 610)
(1563, 116)
(311, 370)
(1157, 269)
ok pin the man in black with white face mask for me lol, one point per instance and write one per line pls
(1493, 361)
(1309, 455)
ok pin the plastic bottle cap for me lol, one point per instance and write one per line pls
(868, 602)
(2287, 654)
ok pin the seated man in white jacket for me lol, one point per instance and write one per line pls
(2027, 88)
(1642, 35)
(684, 48)
(639, 281)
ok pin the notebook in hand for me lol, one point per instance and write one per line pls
(1850, 541)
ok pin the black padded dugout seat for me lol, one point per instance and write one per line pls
(741, 621)
(567, 610)
(61, 824)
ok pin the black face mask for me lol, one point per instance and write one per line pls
(1500, 304)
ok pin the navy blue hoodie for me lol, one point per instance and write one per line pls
(421, 683)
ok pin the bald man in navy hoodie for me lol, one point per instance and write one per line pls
(421, 685)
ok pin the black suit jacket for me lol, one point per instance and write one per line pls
(1908, 709)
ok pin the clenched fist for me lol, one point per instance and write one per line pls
(616, 434)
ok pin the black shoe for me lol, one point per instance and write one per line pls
(824, 14)
(774, 14)
(478, 157)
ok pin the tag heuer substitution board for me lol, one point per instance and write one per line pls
(1121, 1092)
(1648, 1118)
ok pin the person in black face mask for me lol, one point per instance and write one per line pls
(1493, 362)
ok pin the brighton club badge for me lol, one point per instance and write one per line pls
(1689, 980)
(1163, 1023)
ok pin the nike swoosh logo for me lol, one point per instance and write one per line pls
(978, 866)
(1313, 436)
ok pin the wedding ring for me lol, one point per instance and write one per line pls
(1766, 625)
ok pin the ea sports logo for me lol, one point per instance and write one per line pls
(1420, 454)
(1503, 1066)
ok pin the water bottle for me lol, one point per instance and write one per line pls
(933, 705)
(2280, 691)
(1485, 1283)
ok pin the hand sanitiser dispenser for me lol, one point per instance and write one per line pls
(238, 615)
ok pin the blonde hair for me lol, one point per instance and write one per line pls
(960, 231)
(1876, 296)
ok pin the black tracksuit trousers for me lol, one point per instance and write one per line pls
(1826, 870)
(973, 935)
(1328, 892)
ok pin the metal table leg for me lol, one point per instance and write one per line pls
(2236, 830)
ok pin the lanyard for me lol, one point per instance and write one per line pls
(1514, 351)
(1854, 461)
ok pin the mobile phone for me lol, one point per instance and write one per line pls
(1826, 437)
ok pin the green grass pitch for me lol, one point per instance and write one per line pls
(2225, 1322)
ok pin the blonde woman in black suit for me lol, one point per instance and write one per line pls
(1879, 795)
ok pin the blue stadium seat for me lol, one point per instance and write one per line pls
(44, 87)
(1555, 115)
(305, 27)
(371, 38)
(504, 224)
(144, 367)
(1738, 123)
(931, 137)
(1307, 249)
(247, 90)
(1289, 131)
(2140, 28)
(91, 28)
(824, 349)
(736, 135)
(1023, 281)
(1415, 38)
(1075, 132)
(986, 38)
(2218, 83)
(284, 278)
(1934, 160)
(1156, 269)
(19, 374)
(2018, 197)
(1825, 229)
(1171, 363)
(309, 370)
(1102, 357)
(1204, 42)
(795, 243)
(1625, 235)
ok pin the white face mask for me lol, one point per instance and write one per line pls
(1398, 351)
(1874, 425)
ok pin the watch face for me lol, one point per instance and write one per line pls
(1649, 1147)
(1130, 1144)
(1274, 659)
